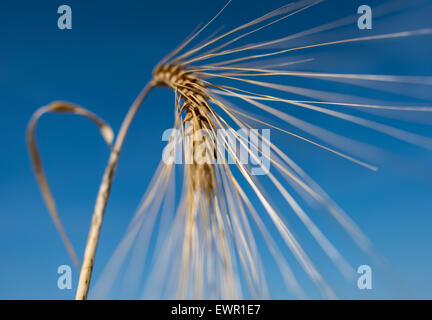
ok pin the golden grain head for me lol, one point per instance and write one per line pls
(209, 241)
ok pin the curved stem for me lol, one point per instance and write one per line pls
(103, 195)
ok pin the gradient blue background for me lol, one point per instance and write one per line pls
(105, 60)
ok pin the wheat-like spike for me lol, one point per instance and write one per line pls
(210, 238)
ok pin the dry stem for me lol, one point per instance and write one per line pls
(103, 195)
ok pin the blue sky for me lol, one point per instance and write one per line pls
(104, 61)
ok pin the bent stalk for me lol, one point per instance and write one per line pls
(103, 195)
